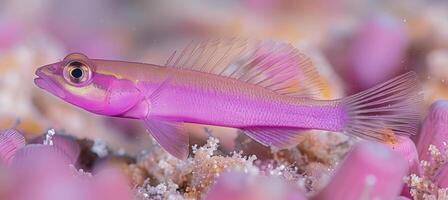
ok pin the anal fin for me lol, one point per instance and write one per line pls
(278, 137)
(170, 135)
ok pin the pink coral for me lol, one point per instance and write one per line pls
(435, 129)
(50, 164)
(64, 143)
(404, 146)
(10, 141)
(432, 181)
(240, 186)
(378, 50)
(370, 171)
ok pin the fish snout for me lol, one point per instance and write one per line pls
(45, 82)
(46, 70)
(41, 76)
(44, 73)
(39, 72)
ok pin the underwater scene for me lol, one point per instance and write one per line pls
(223, 100)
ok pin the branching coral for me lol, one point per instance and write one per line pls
(432, 181)
(158, 175)
(426, 186)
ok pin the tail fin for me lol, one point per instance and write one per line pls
(391, 105)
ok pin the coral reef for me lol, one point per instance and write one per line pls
(353, 44)
(154, 174)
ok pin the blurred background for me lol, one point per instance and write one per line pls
(353, 43)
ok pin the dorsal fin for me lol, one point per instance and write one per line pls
(276, 66)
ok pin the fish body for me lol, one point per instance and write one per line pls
(263, 89)
(197, 97)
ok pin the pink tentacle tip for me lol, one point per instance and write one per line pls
(69, 146)
(370, 171)
(64, 143)
(240, 186)
(110, 179)
(404, 146)
(10, 142)
(371, 61)
(46, 166)
(407, 149)
(434, 130)
(35, 157)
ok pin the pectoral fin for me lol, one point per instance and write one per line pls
(170, 135)
(276, 137)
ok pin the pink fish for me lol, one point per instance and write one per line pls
(263, 88)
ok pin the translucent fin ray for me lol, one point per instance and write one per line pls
(392, 105)
(170, 135)
(276, 66)
(277, 137)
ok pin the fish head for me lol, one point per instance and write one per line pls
(76, 81)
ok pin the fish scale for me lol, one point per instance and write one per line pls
(264, 88)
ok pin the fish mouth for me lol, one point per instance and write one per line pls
(44, 82)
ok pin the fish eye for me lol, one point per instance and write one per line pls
(76, 72)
